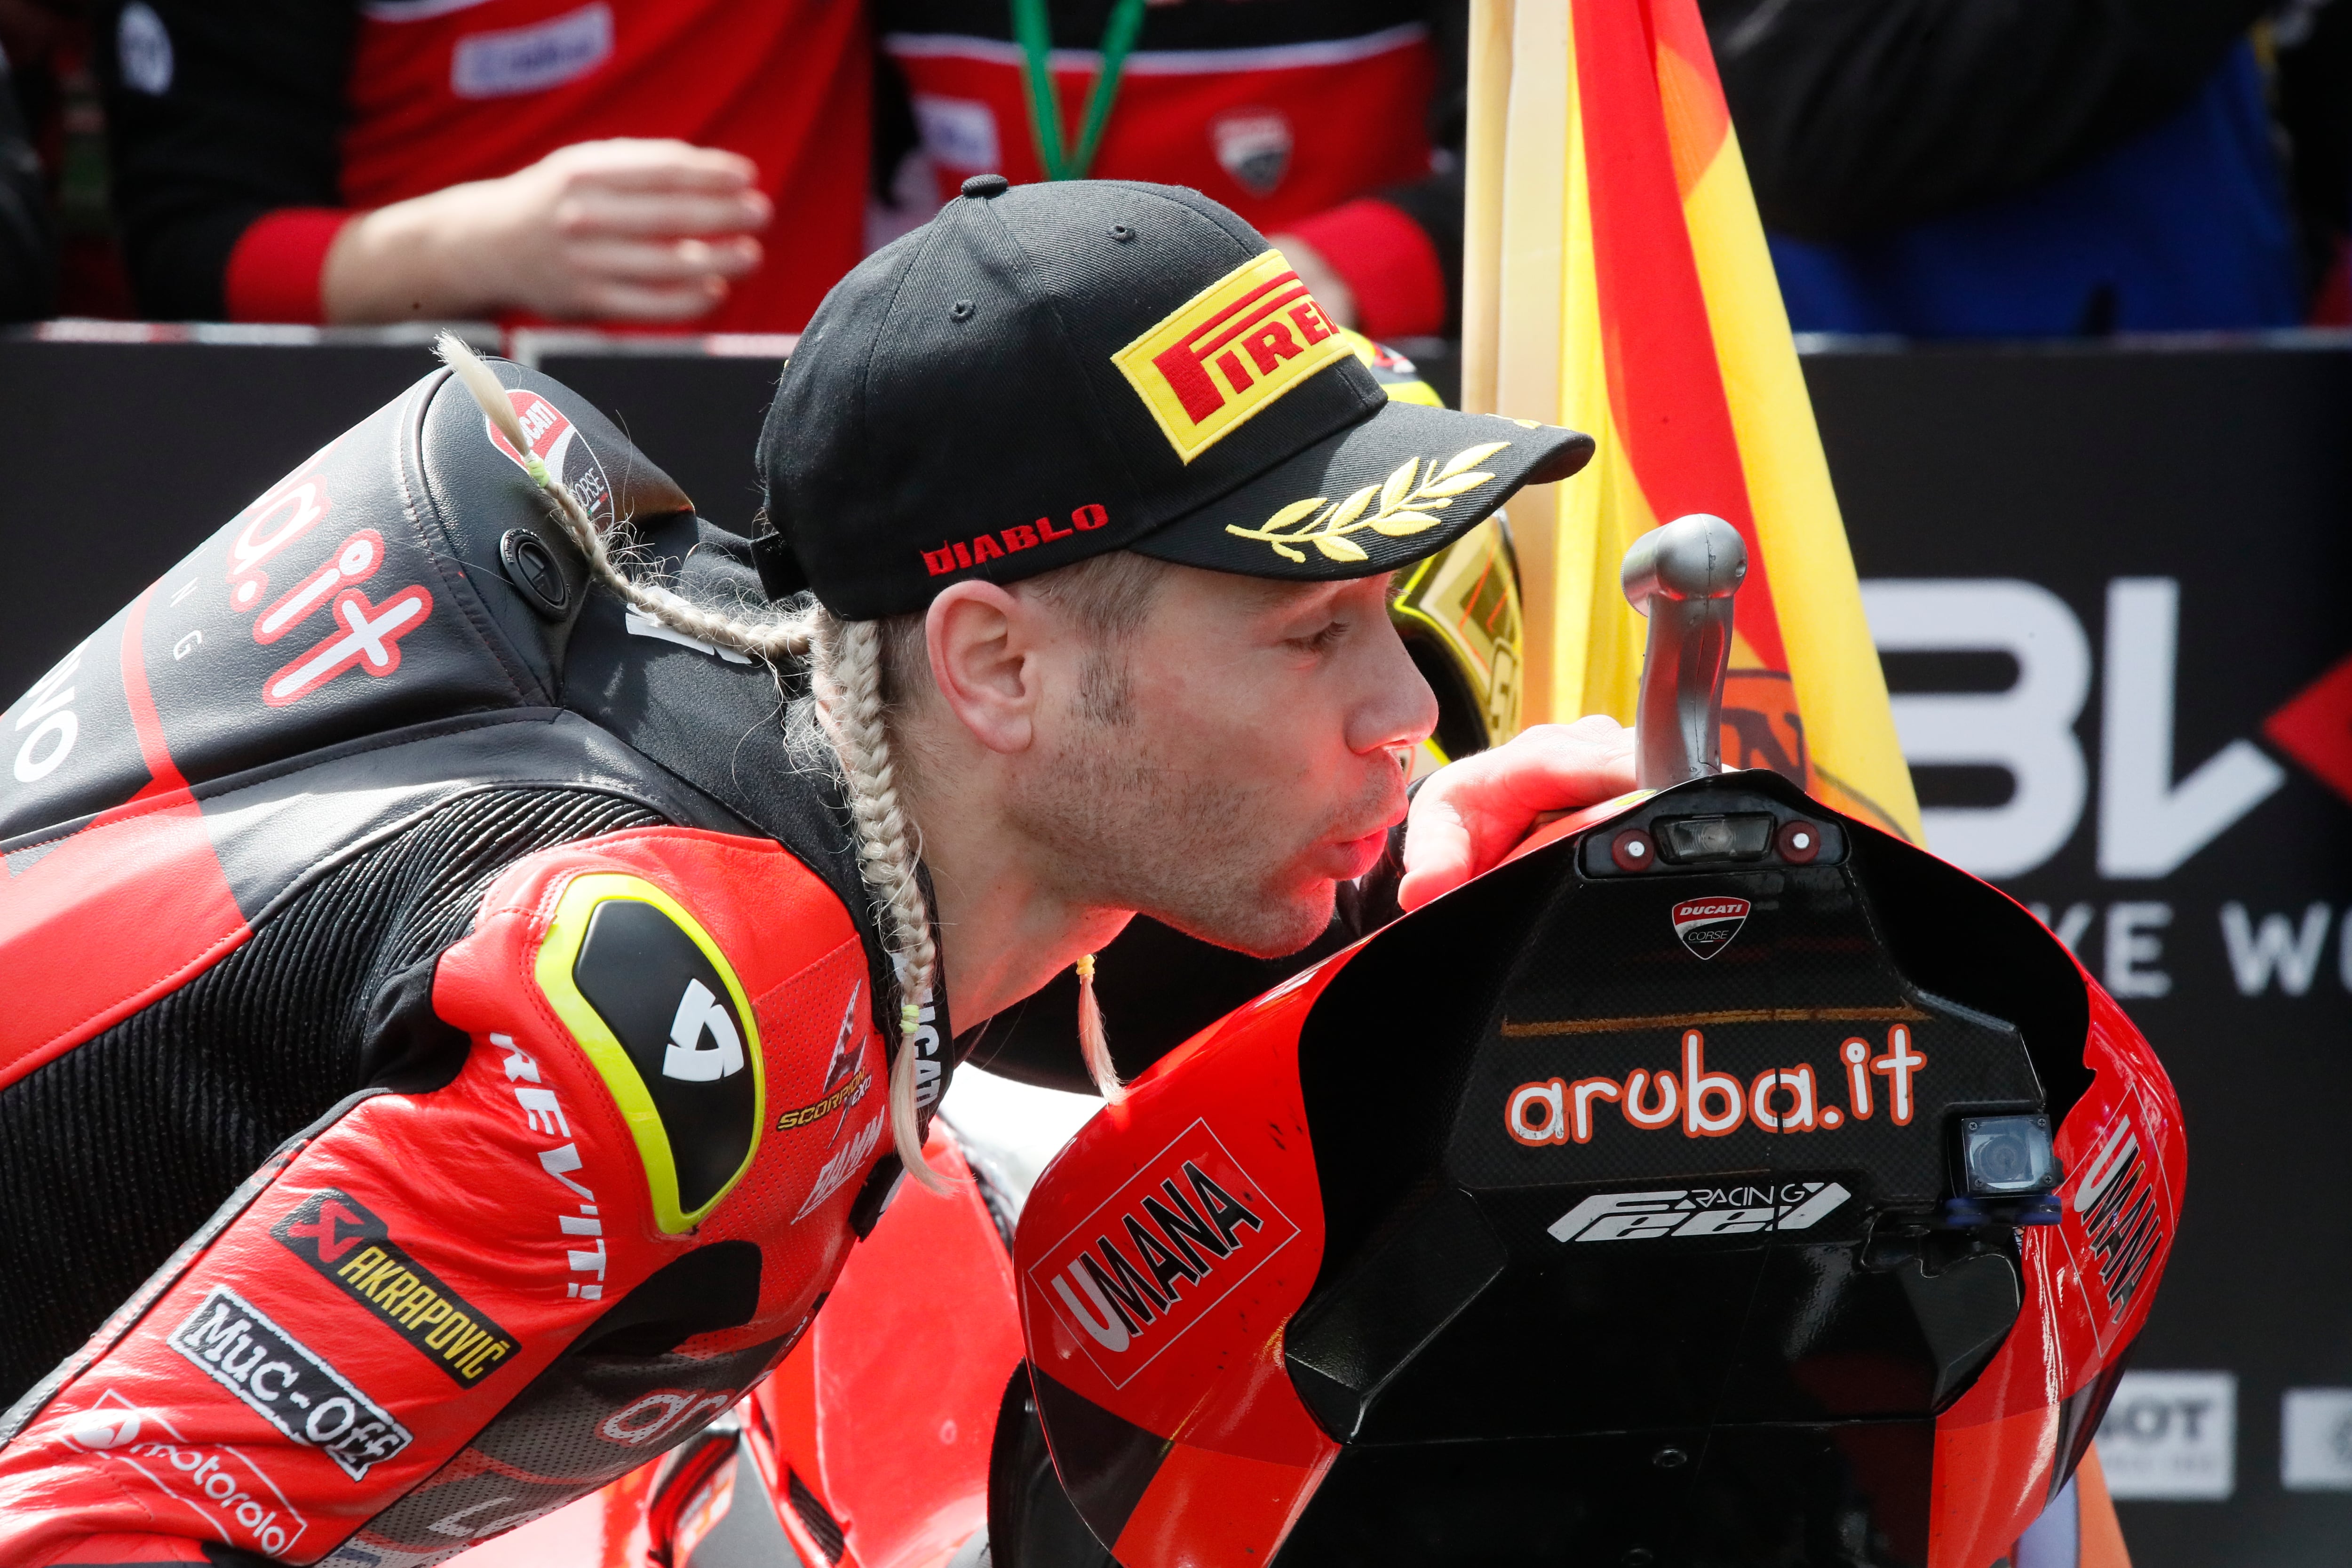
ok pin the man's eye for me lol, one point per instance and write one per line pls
(1324, 640)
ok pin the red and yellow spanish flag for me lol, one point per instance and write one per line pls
(1616, 280)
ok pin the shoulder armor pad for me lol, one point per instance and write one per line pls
(653, 1003)
(409, 570)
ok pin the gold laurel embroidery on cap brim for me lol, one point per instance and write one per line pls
(1400, 507)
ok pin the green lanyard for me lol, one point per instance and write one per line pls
(1035, 31)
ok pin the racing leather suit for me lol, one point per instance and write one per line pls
(442, 1065)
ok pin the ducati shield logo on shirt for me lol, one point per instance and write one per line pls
(1252, 146)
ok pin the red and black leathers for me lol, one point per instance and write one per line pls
(267, 125)
(442, 1067)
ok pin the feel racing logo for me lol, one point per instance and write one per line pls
(1743, 1209)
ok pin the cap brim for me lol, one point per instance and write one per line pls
(1380, 494)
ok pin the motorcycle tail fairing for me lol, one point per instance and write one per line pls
(1668, 1195)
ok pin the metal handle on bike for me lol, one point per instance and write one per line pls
(1682, 577)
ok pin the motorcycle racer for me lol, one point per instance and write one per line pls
(447, 1053)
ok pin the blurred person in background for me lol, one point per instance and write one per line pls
(613, 161)
(2312, 91)
(28, 276)
(1934, 168)
(1957, 168)
(1333, 126)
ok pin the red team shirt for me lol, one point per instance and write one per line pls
(1276, 134)
(1290, 134)
(443, 92)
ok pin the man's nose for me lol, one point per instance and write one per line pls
(1398, 711)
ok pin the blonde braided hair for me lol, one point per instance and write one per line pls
(845, 664)
(848, 677)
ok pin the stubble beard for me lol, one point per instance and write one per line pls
(1125, 829)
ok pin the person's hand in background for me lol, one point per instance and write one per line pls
(618, 230)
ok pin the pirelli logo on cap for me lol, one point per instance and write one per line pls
(1229, 352)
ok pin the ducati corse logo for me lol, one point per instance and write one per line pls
(1708, 925)
(555, 440)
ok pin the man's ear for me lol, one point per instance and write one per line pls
(982, 665)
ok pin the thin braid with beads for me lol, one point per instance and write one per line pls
(845, 662)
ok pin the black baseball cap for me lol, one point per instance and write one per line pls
(1046, 372)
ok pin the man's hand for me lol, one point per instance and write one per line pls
(1471, 813)
(624, 230)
